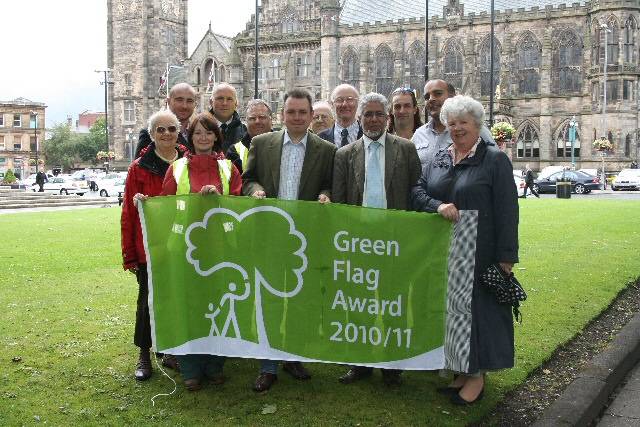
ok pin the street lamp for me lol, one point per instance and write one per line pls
(130, 141)
(35, 134)
(106, 113)
(604, 27)
(573, 130)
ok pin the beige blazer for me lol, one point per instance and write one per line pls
(263, 166)
(401, 172)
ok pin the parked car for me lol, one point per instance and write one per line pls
(549, 170)
(31, 179)
(520, 182)
(108, 180)
(62, 185)
(112, 188)
(627, 179)
(581, 183)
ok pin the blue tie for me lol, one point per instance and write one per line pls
(374, 197)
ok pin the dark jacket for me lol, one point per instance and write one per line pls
(145, 176)
(327, 135)
(233, 132)
(144, 139)
(41, 178)
(528, 177)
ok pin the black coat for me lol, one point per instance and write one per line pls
(327, 135)
(484, 183)
(233, 132)
(144, 139)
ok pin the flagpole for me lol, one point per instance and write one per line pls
(255, 68)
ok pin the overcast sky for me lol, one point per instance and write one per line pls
(52, 47)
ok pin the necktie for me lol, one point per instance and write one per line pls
(344, 134)
(223, 128)
(375, 183)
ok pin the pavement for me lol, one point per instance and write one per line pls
(584, 400)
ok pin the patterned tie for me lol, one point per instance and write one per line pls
(344, 134)
(223, 128)
(375, 184)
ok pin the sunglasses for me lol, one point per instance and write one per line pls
(162, 129)
(404, 89)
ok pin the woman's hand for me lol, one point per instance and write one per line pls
(139, 198)
(506, 267)
(209, 189)
(449, 211)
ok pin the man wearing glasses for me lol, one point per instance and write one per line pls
(181, 101)
(344, 100)
(322, 117)
(224, 102)
(376, 171)
(434, 136)
(258, 115)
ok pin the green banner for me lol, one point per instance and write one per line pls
(292, 280)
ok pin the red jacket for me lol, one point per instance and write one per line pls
(203, 170)
(145, 176)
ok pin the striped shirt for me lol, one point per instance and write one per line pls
(291, 162)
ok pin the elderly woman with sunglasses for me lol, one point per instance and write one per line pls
(404, 115)
(206, 171)
(144, 179)
(469, 174)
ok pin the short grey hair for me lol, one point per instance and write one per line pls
(155, 117)
(373, 97)
(461, 105)
(321, 104)
(219, 86)
(343, 86)
(254, 103)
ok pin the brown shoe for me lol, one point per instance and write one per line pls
(296, 370)
(171, 362)
(264, 382)
(192, 384)
(354, 374)
(217, 379)
(143, 368)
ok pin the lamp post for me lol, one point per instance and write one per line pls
(130, 141)
(604, 27)
(106, 113)
(573, 130)
(426, 41)
(35, 134)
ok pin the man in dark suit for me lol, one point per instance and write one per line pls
(378, 171)
(181, 101)
(224, 103)
(346, 129)
(292, 164)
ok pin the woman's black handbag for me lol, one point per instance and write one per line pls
(505, 287)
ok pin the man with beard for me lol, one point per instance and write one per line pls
(434, 136)
(346, 129)
(377, 171)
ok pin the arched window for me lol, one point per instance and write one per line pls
(216, 72)
(350, 68)
(453, 63)
(627, 146)
(566, 63)
(528, 64)
(528, 142)
(223, 73)
(629, 40)
(416, 67)
(207, 68)
(612, 39)
(485, 66)
(198, 78)
(384, 70)
(563, 145)
(275, 68)
(610, 138)
(317, 64)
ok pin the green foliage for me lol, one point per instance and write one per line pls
(9, 177)
(68, 310)
(92, 143)
(60, 148)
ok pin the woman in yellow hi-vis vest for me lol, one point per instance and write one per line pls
(206, 171)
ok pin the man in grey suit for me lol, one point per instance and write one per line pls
(378, 170)
(346, 129)
(292, 164)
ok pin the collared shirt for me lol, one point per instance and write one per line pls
(291, 162)
(452, 152)
(381, 158)
(353, 129)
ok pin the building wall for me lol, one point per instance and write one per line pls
(17, 145)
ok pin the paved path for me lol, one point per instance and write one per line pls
(625, 409)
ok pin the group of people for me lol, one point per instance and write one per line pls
(359, 150)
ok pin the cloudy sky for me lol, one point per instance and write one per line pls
(51, 48)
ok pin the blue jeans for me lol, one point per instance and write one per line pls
(200, 365)
(269, 366)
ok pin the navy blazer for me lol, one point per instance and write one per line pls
(327, 134)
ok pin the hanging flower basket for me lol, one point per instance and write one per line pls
(502, 132)
(602, 145)
(106, 155)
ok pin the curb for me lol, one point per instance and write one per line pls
(583, 400)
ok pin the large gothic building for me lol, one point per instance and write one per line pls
(549, 62)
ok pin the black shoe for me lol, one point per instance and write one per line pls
(264, 382)
(456, 399)
(143, 368)
(448, 391)
(354, 374)
(391, 377)
(296, 370)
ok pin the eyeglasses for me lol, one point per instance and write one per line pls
(260, 117)
(170, 129)
(376, 114)
(321, 117)
(343, 100)
(404, 89)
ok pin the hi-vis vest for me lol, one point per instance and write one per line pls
(181, 175)
(243, 152)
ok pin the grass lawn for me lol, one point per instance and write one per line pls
(67, 311)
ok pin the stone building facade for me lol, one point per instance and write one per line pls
(22, 133)
(548, 68)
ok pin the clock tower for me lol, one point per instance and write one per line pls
(143, 36)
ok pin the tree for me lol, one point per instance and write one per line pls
(9, 177)
(89, 145)
(60, 148)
